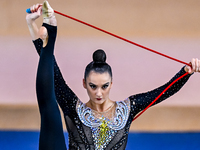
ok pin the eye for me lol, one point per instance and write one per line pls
(105, 86)
(93, 86)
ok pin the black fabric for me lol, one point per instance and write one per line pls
(141, 101)
(51, 131)
(80, 135)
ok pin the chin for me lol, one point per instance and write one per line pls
(99, 101)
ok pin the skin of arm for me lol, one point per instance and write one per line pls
(33, 28)
(30, 19)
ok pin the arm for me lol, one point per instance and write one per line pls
(141, 101)
(30, 19)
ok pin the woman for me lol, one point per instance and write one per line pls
(100, 123)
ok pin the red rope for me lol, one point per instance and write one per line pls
(140, 47)
(160, 95)
(121, 38)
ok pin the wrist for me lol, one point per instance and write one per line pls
(29, 21)
(186, 69)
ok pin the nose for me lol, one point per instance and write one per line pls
(99, 92)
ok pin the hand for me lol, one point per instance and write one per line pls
(195, 63)
(36, 13)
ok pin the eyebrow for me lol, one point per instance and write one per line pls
(96, 85)
(106, 83)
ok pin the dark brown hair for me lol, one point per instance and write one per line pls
(98, 64)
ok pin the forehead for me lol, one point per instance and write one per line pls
(98, 78)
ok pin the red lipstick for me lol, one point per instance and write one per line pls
(99, 99)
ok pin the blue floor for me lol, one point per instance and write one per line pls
(28, 140)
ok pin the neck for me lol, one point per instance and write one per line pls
(100, 107)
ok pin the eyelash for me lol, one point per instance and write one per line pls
(94, 86)
(104, 86)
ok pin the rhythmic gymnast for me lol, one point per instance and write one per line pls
(100, 124)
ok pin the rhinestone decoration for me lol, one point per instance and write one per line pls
(104, 129)
(87, 117)
(102, 135)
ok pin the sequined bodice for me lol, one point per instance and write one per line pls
(104, 125)
(115, 117)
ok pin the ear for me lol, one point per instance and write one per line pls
(84, 84)
(111, 84)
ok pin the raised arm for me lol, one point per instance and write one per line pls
(30, 19)
(141, 101)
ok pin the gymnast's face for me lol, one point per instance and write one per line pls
(98, 86)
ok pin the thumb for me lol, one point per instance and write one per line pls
(39, 11)
(189, 70)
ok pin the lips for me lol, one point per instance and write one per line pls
(99, 99)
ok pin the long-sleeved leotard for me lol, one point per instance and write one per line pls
(89, 129)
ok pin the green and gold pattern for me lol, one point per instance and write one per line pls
(102, 135)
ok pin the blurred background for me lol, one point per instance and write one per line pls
(170, 27)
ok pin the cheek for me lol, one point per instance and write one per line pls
(90, 92)
(107, 91)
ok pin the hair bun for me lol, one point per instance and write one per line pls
(99, 56)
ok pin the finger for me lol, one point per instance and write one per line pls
(193, 64)
(39, 10)
(38, 6)
(31, 8)
(197, 64)
(188, 69)
(35, 8)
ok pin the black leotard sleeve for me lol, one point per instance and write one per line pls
(140, 101)
(64, 95)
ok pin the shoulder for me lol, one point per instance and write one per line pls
(125, 103)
